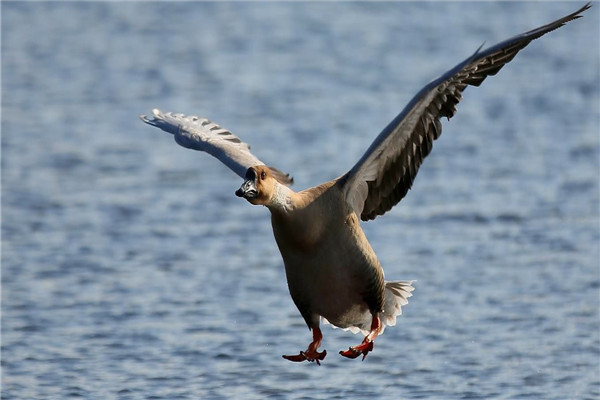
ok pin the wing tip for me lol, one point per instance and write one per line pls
(145, 119)
(156, 114)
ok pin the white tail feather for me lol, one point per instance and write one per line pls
(396, 296)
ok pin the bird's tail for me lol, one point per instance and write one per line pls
(396, 296)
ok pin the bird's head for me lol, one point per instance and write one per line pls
(261, 183)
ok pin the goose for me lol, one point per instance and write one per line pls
(332, 272)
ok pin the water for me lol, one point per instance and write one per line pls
(131, 271)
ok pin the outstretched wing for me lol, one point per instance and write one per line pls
(385, 173)
(204, 135)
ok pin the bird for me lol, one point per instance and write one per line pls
(332, 272)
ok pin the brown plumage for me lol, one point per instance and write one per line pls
(333, 273)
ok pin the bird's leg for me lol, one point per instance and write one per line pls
(311, 353)
(367, 344)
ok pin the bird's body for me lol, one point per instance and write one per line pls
(331, 269)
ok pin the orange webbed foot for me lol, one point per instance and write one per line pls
(312, 356)
(367, 344)
(364, 348)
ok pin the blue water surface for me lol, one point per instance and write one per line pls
(131, 271)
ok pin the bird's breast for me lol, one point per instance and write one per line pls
(330, 266)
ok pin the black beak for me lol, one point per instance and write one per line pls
(247, 190)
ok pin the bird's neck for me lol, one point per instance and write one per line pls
(282, 200)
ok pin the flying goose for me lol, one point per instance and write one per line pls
(332, 272)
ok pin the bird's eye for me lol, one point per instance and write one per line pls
(263, 175)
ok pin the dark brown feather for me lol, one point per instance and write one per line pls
(281, 177)
(400, 169)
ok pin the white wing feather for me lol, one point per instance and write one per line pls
(204, 135)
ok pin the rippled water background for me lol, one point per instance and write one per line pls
(130, 270)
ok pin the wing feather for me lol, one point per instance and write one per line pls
(204, 135)
(385, 173)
